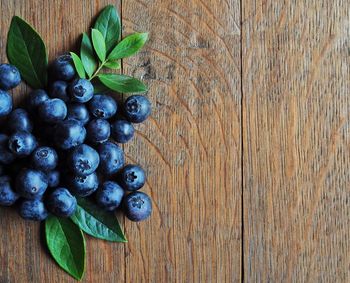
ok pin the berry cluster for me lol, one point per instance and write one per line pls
(59, 147)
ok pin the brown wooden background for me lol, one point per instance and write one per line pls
(247, 151)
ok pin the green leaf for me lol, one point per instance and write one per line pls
(87, 55)
(112, 65)
(128, 46)
(99, 44)
(99, 87)
(122, 83)
(26, 50)
(66, 244)
(78, 65)
(108, 23)
(97, 222)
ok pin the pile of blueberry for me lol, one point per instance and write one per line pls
(61, 145)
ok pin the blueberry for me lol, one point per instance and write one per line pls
(59, 89)
(22, 143)
(6, 156)
(9, 76)
(122, 131)
(1, 170)
(35, 98)
(78, 111)
(19, 120)
(44, 158)
(84, 160)
(62, 203)
(6, 103)
(31, 184)
(111, 158)
(132, 177)
(69, 134)
(53, 110)
(109, 195)
(103, 106)
(62, 68)
(84, 186)
(137, 108)
(137, 206)
(81, 90)
(53, 178)
(7, 195)
(98, 130)
(33, 210)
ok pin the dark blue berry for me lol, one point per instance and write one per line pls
(132, 177)
(6, 156)
(62, 203)
(59, 90)
(137, 206)
(98, 130)
(53, 178)
(84, 186)
(31, 184)
(137, 108)
(62, 68)
(6, 103)
(69, 133)
(33, 210)
(19, 120)
(78, 111)
(44, 158)
(122, 131)
(9, 76)
(35, 98)
(7, 195)
(1, 169)
(103, 106)
(53, 110)
(84, 160)
(111, 158)
(22, 143)
(109, 195)
(81, 90)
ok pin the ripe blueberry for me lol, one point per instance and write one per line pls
(109, 195)
(122, 131)
(103, 106)
(62, 203)
(33, 210)
(53, 178)
(69, 133)
(62, 68)
(98, 130)
(7, 195)
(6, 156)
(44, 158)
(35, 98)
(81, 90)
(9, 76)
(84, 186)
(19, 120)
(22, 143)
(83, 160)
(78, 111)
(6, 103)
(31, 184)
(132, 177)
(137, 108)
(53, 110)
(137, 206)
(58, 89)
(111, 158)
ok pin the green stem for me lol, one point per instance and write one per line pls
(98, 70)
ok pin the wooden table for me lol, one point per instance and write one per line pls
(247, 151)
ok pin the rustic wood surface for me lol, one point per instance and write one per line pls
(247, 150)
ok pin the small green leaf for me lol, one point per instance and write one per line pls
(99, 44)
(97, 222)
(87, 55)
(128, 46)
(66, 244)
(99, 87)
(108, 23)
(115, 65)
(122, 83)
(26, 50)
(78, 65)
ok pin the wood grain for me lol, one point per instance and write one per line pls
(296, 141)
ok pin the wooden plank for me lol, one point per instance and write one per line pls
(23, 258)
(296, 141)
(191, 147)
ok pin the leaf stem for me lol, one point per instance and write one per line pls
(98, 70)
